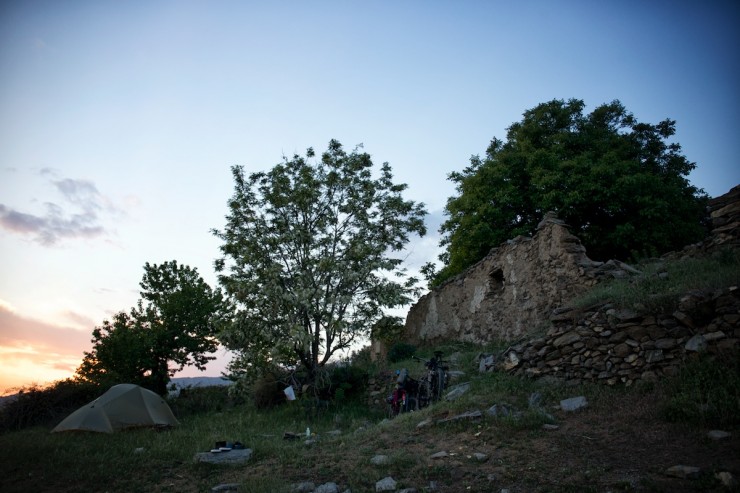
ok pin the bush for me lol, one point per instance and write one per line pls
(705, 392)
(46, 406)
(267, 392)
(195, 400)
(401, 351)
(347, 382)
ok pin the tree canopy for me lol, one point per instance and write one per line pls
(620, 184)
(175, 328)
(309, 256)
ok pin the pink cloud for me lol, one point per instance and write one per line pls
(33, 351)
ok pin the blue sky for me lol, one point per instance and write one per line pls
(119, 121)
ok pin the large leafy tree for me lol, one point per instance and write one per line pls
(172, 326)
(309, 257)
(620, 184)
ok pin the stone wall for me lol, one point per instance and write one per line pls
(611, 346)
(512, 291)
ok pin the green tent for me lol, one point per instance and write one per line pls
(123, 406)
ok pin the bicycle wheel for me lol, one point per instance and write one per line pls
(440, 382)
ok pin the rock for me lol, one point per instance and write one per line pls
(622, 350)
(480, 457)
(654, 355)
(425, 424)
(230, 457)
(455, 374)
(457, 391)
(534, 400)
(500, 411)
(487, 363)
(439, 455)
(386, 484)
(696, 344)
(305, 487)
(334, 433)
(573, 404)
(380, 460)
(683, 472)
(666, 343)
(549, 427)
(718, 435)
(567, 338)
(327, 488)
(226, 487)
(459, 417)
(511, 361)
(727, 479)
(407, 490)
(139, 450)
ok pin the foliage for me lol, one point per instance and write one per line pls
(619, 184)
(307, 257)
(149, 344)
(45, 406)
(401, 351)
(267, 391)
(706, 392)
(199, 400)
(661, 283)
(346, 382)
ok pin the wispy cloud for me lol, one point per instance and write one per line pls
(81, 213)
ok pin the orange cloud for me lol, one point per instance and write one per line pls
(32, 351)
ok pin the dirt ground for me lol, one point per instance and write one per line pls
(621, 445)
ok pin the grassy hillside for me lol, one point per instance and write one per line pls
(624, 440)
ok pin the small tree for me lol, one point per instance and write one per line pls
(176, 328)
(308, 257)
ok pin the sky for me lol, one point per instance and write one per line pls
(120, 121)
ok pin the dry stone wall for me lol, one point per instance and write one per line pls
(612, 346)
(512, 291)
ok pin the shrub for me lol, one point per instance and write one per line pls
(267, 392)
(401, 351)
(705, 392)
(46, 406)
(194, 400)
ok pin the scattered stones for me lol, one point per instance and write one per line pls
(573, 404)
(439, 455)
(230, 457)
(380, 460)
(718, 435)
(683, 472)
(386, 484)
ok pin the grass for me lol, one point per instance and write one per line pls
(618, 444)
(661, 283)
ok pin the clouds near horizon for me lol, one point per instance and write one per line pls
(35, 351)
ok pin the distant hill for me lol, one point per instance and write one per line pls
(186, 382)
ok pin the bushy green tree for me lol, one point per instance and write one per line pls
(620, 184)
(175, 328)
(308, 256)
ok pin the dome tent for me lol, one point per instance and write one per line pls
(122, 406)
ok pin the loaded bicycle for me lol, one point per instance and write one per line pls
(410, 394)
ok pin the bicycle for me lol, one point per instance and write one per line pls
(436, 380)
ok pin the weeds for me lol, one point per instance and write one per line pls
(706, 392)
(661, 283)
